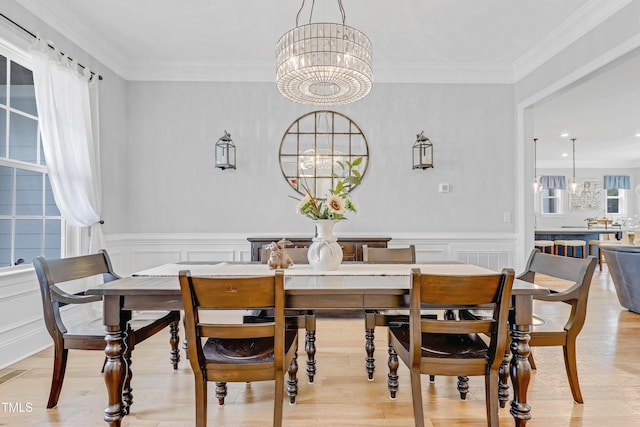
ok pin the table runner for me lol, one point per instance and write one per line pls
(239, 269)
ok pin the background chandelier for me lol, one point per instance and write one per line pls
(323, 63)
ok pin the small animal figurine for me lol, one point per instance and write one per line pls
(278, 258)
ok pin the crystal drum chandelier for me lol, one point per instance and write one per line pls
(323, 63)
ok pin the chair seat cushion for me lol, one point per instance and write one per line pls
(250, 350)
(466, 346)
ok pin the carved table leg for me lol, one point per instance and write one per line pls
(370, 347)
(221, 392)
(392, 383)
(310, 349)
(185, 347)
(115, 370)
(463, 387)
(292, 381)
(127, 391)
(174, 330)
(503, 384)
(520, 373)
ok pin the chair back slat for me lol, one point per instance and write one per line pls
(233, 293)
(389, 255)
(459, 290)
(256, 330)
(67, 269)
(566, 268)
(298, 255)
(457, 326)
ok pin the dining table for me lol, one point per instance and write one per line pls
(353, 286)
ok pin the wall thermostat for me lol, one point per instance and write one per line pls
(443, 188)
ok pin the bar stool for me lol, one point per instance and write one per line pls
(596, 244)
(574, 244)
(543, 245)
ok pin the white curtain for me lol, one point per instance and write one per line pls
(64, 97)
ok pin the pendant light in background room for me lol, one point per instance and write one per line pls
(537, 186)
(573, 184)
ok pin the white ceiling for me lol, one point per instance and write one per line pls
(488, 41)
(602, 113)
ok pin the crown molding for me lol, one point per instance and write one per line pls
(577, 25)
(265, 72)
(590, 164)
(470, 73)
(79, 34)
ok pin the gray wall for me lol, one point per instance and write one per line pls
(173, 186)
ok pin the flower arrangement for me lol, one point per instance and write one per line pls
(337, 203)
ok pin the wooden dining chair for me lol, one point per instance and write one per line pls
(244, 352)
(445, 347)
(373, 318)
(53, 277)
(578, 272)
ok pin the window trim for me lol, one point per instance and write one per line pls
(622, 202)
(560, 202)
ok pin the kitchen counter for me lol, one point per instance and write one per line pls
(578, 230)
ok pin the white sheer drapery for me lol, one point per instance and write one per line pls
(71, 151)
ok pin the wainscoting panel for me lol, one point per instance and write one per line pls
(493, 260)
(22, 330)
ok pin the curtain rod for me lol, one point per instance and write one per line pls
(34, 36)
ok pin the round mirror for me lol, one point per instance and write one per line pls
(315, 150)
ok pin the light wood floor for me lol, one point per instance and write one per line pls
(608, 351)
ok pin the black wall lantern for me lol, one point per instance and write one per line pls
(422, 152)
(225, 152)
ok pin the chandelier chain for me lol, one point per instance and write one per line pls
(313, 3)
(573, 141)
(535, 155)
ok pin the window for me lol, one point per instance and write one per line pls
(614, 201)
(551, 201)
(30, 223)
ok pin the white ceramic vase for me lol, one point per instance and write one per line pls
(324, 253)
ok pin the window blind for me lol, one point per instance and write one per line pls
(617, 181)
(557, 182)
